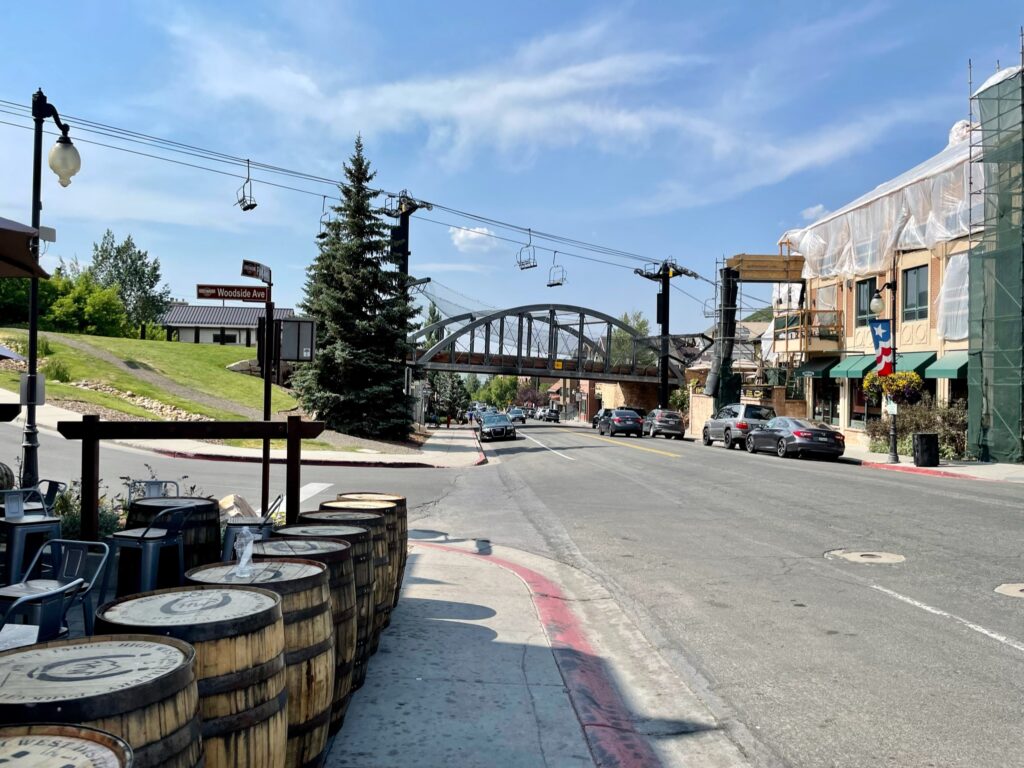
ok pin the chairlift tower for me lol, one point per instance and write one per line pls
(662, 273)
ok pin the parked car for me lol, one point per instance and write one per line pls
(598, 416)
(497, 426)
(731, 423)
(664, 422)
(641, 412)
(517, 414)
(619, 421)
(551, 414)
(787, 436)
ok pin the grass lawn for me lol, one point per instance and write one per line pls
(202, 367)
(307, 445)
(199, 366)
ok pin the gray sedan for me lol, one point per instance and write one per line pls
(732, 423)
(788, 437)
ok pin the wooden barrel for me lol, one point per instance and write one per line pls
(140, 688)
(402, 508)
(376, 523)
(6, 478)
(54, 745)
(200, 537)
(337, 556)
(362, 564)
(238, 636)
(308, 645)
(390, 511)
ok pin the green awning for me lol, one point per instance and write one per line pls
(854, 367)
(952, 365)
(816, 367)
(913, 361)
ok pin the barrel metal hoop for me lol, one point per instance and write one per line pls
(243, 678)
(161, 752)
(306, 613)
(320, 720)
(304, 654)
(231, 723)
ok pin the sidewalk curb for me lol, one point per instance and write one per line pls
(926, 471)
(306, 461)
(597, 703)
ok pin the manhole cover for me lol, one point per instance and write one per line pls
(1011, 590)
(859, 556)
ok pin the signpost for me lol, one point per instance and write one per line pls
(262, 273)
(233, 292)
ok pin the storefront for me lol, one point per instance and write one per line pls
(949, 374)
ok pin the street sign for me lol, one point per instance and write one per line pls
(232, 292)
(257, 270)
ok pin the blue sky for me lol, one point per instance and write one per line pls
(665, 129)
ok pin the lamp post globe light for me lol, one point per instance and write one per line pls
(876, 306)
(65, 161)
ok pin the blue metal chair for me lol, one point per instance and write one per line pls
(165, 530)
(65, 561)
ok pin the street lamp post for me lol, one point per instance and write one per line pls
(876, 306)
(65, 162)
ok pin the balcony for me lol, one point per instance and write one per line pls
(802, 331)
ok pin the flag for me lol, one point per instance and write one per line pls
(881, 335)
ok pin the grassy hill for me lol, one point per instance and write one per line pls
(198, 369)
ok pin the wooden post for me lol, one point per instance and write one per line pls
(293, 469)
(90, 509)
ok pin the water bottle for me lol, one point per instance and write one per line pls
(243, 552)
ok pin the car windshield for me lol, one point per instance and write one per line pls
(668, 414)
(496, 418)
(516, 411)
(628, 414)
(760, 412)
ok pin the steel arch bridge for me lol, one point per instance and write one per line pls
(548, 340)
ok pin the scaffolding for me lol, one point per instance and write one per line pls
(996, 265)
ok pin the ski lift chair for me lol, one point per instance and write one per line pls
(245, 199)
(556, 275)
(527, 256)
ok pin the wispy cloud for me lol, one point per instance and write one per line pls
(472, 239)
(453, 266)
(813, 213)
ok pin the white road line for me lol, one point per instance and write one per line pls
(938, 612)
(538, 442)
(308, 491)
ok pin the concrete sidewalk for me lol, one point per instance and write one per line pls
(971, 470)
(447, 448)
(493, 659)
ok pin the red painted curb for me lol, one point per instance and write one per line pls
(599, 707)
(925, 471)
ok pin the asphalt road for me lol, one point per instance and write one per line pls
(720, 558)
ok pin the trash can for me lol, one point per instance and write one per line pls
(926, 449)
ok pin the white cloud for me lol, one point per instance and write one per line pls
(452, 266)
(814, 213)
(472, 239)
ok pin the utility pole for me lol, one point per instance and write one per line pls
(664, 272)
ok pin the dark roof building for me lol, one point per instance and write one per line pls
(201, 324)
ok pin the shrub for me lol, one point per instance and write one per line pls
(68, 507)
(56, 369)
(949, 421)
(43, 347)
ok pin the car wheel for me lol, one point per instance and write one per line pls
(781, 449)
(751, 448)
(727, 442)
(706, 437)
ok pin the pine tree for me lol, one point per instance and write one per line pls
(353, 290)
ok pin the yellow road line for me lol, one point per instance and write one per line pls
(613, 441)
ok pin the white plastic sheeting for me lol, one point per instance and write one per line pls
(786, 296)
(927, 205)
(951, 323)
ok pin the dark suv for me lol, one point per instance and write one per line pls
(598, 416)
(734, 421)
(664, 422)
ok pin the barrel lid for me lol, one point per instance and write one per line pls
(164, 502)
(73, 670)
(320, 530)
(263, 572)
(372, 518)
(357, 505)
(188, 606)
(371, 496)
(297, 547)
(47, 746)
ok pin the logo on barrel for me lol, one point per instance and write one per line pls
(188, 606)
(58, 751)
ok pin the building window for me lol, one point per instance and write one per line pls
(915, 293)
(826, 401)
(225, 338)
(865, 290)
(860, 410)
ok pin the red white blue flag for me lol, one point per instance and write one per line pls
(881, 335)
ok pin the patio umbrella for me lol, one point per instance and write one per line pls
(10, 354)
(16, 257)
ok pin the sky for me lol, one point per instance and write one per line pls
(690, 131)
